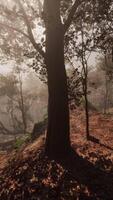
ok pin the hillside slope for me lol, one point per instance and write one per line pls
(87, 173)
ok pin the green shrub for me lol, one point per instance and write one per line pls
(20, 141)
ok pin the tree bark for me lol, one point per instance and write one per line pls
(57, 140)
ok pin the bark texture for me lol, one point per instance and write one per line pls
(57, 140)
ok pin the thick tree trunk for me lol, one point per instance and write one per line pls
(57, 140)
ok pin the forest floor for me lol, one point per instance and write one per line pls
(85, 175)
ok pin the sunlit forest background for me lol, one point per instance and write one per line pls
(21, 83)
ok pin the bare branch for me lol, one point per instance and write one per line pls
(13, 28)
(36, 45)
(3, 129)
(31, 37)
(71, 15)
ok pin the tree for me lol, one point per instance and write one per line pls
(8, 90)
(105, 65)
(21, 102)
(18, 101)
(84, 56)
(88, 34)
(57, 140)
(85, 35)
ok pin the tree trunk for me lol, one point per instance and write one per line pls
(57, 140)
(86, 110)
(106, 88)
(22, 107)
(106, 95)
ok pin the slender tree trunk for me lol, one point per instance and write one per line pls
(106, 88)
(85, 83)
(22, 108)
(106, 95)
(57, 140)
(86, 109)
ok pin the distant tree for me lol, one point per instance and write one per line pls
(8, 89)
(74, 82)
(21, 100)
(18, 100)
(105, 64)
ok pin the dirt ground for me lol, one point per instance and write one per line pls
(101, 128)
(86, 175)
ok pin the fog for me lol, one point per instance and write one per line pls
(35, 101)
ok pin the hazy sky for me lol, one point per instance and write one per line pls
(5, 68)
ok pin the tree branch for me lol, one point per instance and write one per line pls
(3, 129)
(29, 30)
(13, 28)
(36, 45)
(71, 15)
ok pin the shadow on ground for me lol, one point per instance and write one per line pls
(38, 178)
(99, 182)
